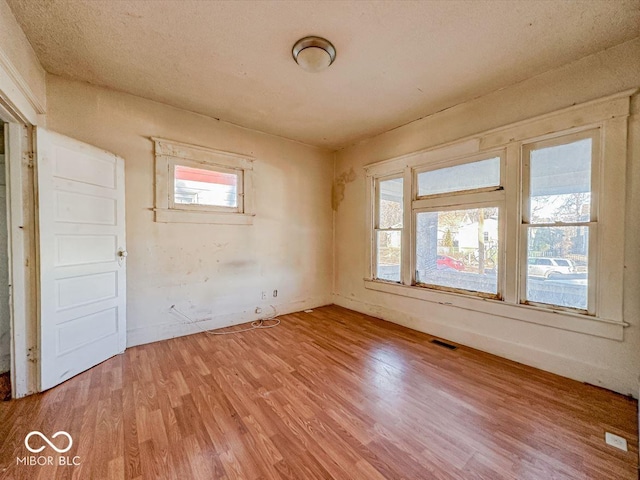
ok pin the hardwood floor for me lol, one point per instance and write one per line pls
(328, 394)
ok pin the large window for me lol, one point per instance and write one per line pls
(457, 224)
(458, 249)
(559, 216)
(523, 222)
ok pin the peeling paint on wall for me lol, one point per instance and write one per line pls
(339, 185)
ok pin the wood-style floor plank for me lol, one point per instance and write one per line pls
(328, 394)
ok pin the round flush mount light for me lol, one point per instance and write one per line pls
(314, 54)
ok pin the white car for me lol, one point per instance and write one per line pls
(548, 267)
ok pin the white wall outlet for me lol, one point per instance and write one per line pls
(615, 441)
(264, 295)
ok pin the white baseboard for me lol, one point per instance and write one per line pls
(176, 326)
(527, 355)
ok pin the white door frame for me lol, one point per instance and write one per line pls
(21, 249)
(22, 265)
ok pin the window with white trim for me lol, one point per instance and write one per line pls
(457, 223)
(559, 217)
(201, 185)
(388, 227)
(525, 221)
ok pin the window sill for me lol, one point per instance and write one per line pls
(573, 322)
(218, 218)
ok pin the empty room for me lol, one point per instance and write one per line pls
(347, 239)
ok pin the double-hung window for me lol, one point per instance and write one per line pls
(559, 220)
(389, 210)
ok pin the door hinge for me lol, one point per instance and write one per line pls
(28, 159)
(32, 354)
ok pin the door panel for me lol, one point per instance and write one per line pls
(82, 268)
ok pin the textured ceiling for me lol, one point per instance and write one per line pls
(396, 62)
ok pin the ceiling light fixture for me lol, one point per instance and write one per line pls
(314, 54)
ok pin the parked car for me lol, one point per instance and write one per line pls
(549, 267)
(444, 262)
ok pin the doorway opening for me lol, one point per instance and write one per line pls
(5, 315)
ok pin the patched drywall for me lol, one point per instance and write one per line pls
(609, 363)
(213, 273)
(339, 187)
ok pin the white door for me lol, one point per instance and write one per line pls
(82, 256)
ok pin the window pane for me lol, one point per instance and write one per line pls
(468, 176)
(557, 273)
(388, 255)
(458, 249)
(197, 186)
(561, 183)
(390, 205)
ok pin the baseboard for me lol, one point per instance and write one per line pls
(544, 360)
(178, 327)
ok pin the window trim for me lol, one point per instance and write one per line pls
(610, 115)
(169, 153)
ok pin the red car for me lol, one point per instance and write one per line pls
(444, 262)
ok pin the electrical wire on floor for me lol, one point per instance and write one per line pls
(255, 325)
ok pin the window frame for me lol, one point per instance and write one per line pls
(482, 197)
(376, 224)
(605, 316)
(554, 140)
(169, 154)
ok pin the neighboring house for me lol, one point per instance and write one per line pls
(468, 234)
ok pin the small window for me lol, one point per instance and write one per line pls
(199, 185)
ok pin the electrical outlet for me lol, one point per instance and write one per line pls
(264, 295)
(275, 293)
(615, 441)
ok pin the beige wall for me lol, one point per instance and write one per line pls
(212, 272)
(609, 363)
(24, 82)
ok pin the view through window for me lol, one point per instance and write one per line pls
(197, 186)
(458, 249)
(558, 227)
(389, 229)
